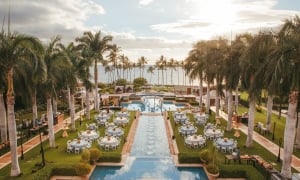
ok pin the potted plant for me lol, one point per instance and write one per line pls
(212, 170)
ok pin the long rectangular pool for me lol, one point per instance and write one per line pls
(149, 158)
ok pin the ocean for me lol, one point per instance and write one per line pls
(169, 77)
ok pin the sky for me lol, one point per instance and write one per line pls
(148, 28)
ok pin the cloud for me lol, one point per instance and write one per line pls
(46, 19)
(145, 2)
(207, 19)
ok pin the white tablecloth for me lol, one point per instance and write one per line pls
(88, 134)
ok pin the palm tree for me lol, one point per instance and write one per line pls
(75, 67)
(194, 66)
(252, 62)
(285, 57)
(171, 64)
(97, 46)
(142, 61)
(113, 58)
(151, 71)
(15, 48)
(55, 61)
(29, 75)
(232, 71)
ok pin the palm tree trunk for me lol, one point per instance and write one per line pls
(87, 104)
(269, 112)
(69, 96)
(72, 112)
(50, 122)
(249, 141)
(12, 130)
(200, 93)
(54, 106)
(226, 100)
(34, 108)
(236, 100)
(229, 111)
(217, 103)
(3, 122)
(289, 135)
(207, 98)
(96, 87)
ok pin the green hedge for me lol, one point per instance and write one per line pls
(240, 171)
(110, 157)
(189, 158)
(63, 171)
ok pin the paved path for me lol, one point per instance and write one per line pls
(269, 145)
(35, 141)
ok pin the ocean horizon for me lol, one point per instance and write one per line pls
(169, 77)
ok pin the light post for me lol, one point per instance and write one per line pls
(278, 157)
(42, 149)
(21, 139)
(273, 136)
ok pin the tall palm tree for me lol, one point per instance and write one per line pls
(194, 66)
(97, 46)
(142, 61)
(171, 64)
(30, 74)
(232, 71)
(113, 58)
(252, 62)
(287, 69)
(151, 71)
(75, 67)
(55, 61)
(15, 48)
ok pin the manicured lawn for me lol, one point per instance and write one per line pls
(255, 150)
(58, 156)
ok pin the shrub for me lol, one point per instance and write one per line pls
(138, 82)
(240, 171)
(110, 157)
(94, 154)
(188, 158)
(85, 156)
(121, 82)
(205, 156)
(82, 169)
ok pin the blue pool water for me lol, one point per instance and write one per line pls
(152, 104)
(149, 158)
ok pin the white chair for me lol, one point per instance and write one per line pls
(69, 149)
(77, 150)
(106, 148)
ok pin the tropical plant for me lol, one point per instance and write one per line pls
(15, 48)
(285, 57)
(96, 46)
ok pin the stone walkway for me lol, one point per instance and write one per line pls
(35, 141)
(269, 145)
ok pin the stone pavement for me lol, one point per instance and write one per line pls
(35, 141)
(269, 145)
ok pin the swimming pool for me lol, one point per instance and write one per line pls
(152, 104)
(150, 157)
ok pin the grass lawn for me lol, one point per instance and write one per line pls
(59, 156)
(257, 149)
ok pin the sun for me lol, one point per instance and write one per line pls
(219, 12)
